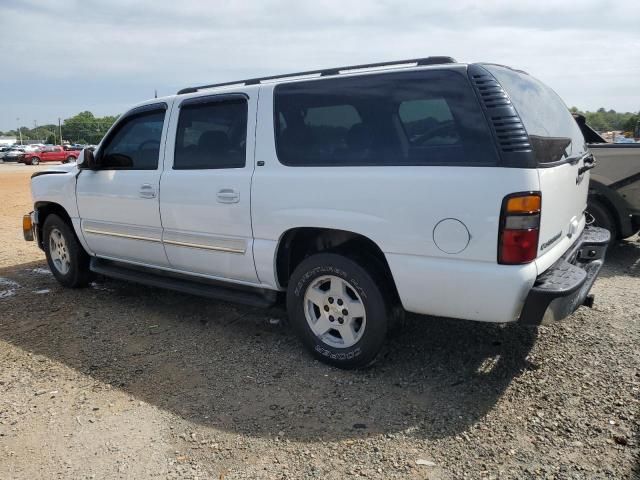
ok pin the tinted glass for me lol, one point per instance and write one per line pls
(428, 122)
(211, 135)
(399, 118)
(136, 143)
(552, 130)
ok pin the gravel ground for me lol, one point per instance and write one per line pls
(124, 381)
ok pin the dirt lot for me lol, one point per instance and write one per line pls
(125, 381)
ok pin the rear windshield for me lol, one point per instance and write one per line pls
(406, 118)
(553, 132)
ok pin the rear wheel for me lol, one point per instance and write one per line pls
(338, 310)
(67, 260)
(34, 161)
(603, 217)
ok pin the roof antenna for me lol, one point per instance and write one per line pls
(155, 94)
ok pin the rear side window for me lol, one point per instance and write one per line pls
(135, 145)
(554, 134)
(428, 122)
(211, 135)
(399, 118)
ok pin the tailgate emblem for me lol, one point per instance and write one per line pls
(551, 241)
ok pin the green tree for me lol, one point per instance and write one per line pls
(85, 126)
(632, 124)
(51, 139)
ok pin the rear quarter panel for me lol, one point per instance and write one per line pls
(618, 167)
(398, 208)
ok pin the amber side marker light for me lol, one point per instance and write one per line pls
(27, 227)
(519, 228)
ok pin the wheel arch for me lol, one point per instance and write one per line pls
(298, 243)
(610, 199)
(46, 208)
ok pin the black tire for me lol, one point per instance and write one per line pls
(603, 217)
(78, 274)
(70, 159)
(377, 307)
(34, 161)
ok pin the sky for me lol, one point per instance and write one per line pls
(60, 57)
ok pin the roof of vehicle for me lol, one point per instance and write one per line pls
(414, 62)
(242, 86)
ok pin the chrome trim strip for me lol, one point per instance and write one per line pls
(206, 247)
(121, 235)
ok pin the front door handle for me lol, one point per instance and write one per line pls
(147, 191)
(228, 195)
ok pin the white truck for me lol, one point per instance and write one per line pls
(361, 192)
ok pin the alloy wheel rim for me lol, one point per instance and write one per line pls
(59, 251)
(335, 312)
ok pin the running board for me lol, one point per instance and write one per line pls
(254, 297)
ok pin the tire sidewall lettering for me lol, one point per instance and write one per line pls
(301, 286)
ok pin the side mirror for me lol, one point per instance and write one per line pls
(87, 160)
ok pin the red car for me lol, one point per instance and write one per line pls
(49, 154)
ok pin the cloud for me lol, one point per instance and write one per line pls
(71, 55)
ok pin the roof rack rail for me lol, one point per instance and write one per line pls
(324, 73)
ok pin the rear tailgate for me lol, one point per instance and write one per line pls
(564, 199)
(561, 156)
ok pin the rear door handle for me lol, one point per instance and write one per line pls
(147, 191)
(228, 195)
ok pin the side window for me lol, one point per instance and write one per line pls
(211, 135)
(135, 145)
(403, 118)
(428, 122)
(331, 124)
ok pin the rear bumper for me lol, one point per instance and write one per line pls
(565, 286)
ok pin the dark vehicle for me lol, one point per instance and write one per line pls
(4, 150)
(73, 148)
(14, 154)
(614, 190)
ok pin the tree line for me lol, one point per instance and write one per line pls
(85, 128)
(607, 120)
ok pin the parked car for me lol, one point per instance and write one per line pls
(14, 154)
(49, 154)
(4, 150)
(73, 148)
(623, 139)
(614, 190)
(427, 186)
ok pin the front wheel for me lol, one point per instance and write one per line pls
(70, 159)
(67, 260)
(34, 161)
(338, 310)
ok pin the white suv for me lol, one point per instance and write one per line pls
(426, 186)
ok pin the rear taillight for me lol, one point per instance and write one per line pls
(519, 228)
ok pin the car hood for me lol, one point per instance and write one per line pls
(65, 167)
